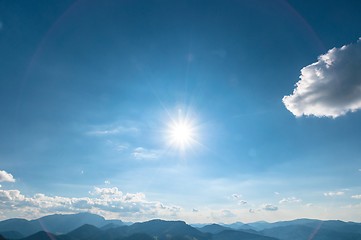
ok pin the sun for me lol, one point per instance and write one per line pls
(181, 134)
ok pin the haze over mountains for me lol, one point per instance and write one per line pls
(86, 226)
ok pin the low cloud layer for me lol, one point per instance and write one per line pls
(6, 177)
(109, 202)
(330, 87)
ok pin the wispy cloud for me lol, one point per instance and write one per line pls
(290, 200)
(113, 130)
(356, 196)
(330, 87)
(145, 154)
(6, 177)
(332, 194)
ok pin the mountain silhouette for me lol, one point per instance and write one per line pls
(56, 224)
(300, 232)
(86, 231)
(166, 229)
(11, 234)
(66, 227)
(237, 235)
(213, 228)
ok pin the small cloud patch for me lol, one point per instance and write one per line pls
(332, 194)
(145, 154)
(269, 207)
(290, 200)
(6, 177)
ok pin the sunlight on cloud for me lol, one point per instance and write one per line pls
(11, 195)
(330, 87)
(108, 201)
(6, 177)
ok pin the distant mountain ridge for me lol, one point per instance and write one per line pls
(86, 226)
(57, 223)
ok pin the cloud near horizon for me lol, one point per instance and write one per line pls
(6, 177)
(330, 87)
(109, 202)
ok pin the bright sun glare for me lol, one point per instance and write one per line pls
(181, 134)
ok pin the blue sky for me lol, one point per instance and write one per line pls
(93, 95)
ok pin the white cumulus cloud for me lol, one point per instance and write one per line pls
(330, 87)
(6, 177)
(11, 195)
(107, 201)
(331, 194)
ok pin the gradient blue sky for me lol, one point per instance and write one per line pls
(89, 90)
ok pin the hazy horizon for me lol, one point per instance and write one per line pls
(189, 223)
(206, 111)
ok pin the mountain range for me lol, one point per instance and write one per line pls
(87, 226)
